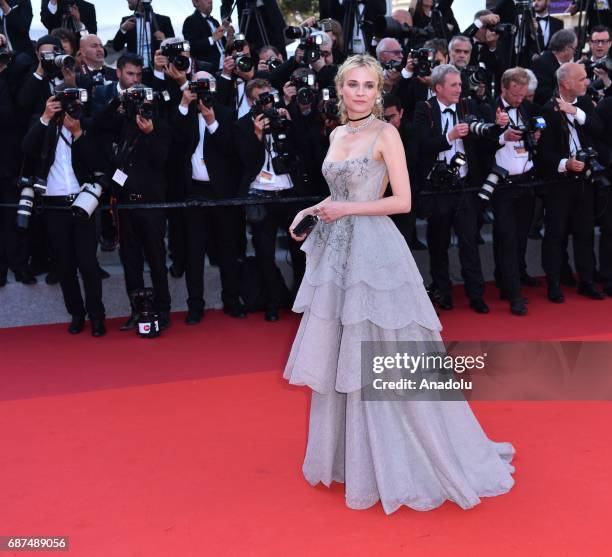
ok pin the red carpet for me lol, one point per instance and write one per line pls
(191, 445)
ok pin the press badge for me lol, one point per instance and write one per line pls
(266, 177)
(358, 46)
(120, 177)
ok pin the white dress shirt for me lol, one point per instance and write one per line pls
(218, 44)
(513, 156)
(146, 47)
(574, 140)
(456, 145)
(544, 25)
(198, 166)
(267, 180)
(62, 179)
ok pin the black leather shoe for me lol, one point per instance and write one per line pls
(25, 276)
(97, 327)
(271, 314)
(103, 274)
(479, 306)
(51, 278)
(444, 301)
(164, 320)
(568, 280)
(554, 294)
(588, 289)
(518, 307)
(131, 323)
(76, 325)
(235, 310)
(176, 271)
(527, 280)
(193, 317)
(504, 296)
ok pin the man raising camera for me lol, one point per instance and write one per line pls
(572, 128)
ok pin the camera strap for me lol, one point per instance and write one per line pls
(127, 148)
(571, 126)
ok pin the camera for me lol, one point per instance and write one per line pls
(529, 129)
(476, 76)
(331, 109)
(304, 86)
(87, 201)
(501, 28)
(6, 56)
(592, 168)
(273, 62)
(393, 65)
(148, 319)
(56, 60)
(480, 128)
(239, 42)
(72, 101)
(497, 174)
(142, 101)
(205, 90)
(174, 53)
(424, 61)
(387, 26)
(444, 175)
(260, 104)
(303, 32)
(25, 207)
(311, 47)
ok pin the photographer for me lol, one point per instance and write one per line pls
(437, 16)
(204, 130)
(513, 207)
(143, 32)
(390, 55)
(238, 69)
(444, 136)
(597, 64)
(207, 37)
(415, 84)
(269, 58)
(15, 22)
(78, 16)
(573, 126)
(92, 70)
(473, 78)
(56, 141)
(268, 174)
(563, 46)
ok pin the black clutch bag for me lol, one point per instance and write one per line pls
(305, 225)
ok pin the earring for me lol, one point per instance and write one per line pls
(379, 100)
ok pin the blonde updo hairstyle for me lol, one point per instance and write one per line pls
(359, 61)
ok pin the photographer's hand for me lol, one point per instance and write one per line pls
(187, 98)
(299, 55)
(218, 33)
(128, 24)
(259, 124)
(177, 75)
(289, 92)
(566, 107)
(144, 125)
(229, 65)
(284, 113)
(4, 7)
(159, 35)
(501, 118)
(572, 165)
(604, 76)
(459, 130)
(52, 107)
(160, 62)
(513, 135)
(489, 19)
(208, 113)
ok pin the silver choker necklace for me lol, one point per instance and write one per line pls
(366, 123)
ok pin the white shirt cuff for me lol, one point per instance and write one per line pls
(46, 124)
(184, 110)
(226, 77)
(159, 75)
(213, 127)
(562, 166)
(52, 8)
(184, 86)
(210, 40)
(406, 74)
(478, 23)
(37, 76)
(502, 139)
(580, 116)
(448, 139)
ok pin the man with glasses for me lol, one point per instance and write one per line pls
(389, 52)
(600, 45)
(563, 46)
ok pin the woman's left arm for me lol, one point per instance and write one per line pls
(392, 149)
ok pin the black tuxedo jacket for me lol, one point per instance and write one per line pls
(18, 23)
(555, 141)
(410, 92)
(223, 168)
(373, 8)
(53, 21)
(160, 23)
(428, 123)
(197, 31)
(554, 25)
(544, 68)
(447, 28)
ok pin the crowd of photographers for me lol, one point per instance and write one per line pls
(498, 123)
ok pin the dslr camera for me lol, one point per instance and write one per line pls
(424, 61)
(311, 45)
(529, 129)
(443, 175)
(304, 32)
(305, 88)
(242, 60)
(396, 65)
(174, 53)
(142, 101)
(6, 56)
(54, 62)
(593, 170)
(72, 101)
(476, 76)
(387, 26)
(205, 90)
(330, 107)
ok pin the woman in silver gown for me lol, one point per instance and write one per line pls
(362, 284)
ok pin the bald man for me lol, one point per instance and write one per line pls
(92, 70)
(572, 126)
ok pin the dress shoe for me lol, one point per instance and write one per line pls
(176, 271)
(97, 327)
(444, 301)
(235, 310)
(417, 245)
(271, 314)
(103, 274)
(527, 280)
(568, 280)
(479, 306)
(554, 293)
(164, 320)
(51, 278)
(503, 295)
(76, 325)
(25, 276)
(518, 307)
(588, 289)
(193, 317)
(131, 323)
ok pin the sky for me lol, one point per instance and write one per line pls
(109, 13)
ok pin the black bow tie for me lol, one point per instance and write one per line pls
(542, 18)
(448, 111)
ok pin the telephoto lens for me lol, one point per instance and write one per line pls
(87, 201)
(25, 208)
(496, 175)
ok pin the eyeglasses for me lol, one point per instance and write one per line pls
(600, 41)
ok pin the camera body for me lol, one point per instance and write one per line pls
(72, 101)
(142, 101)
(501, 28)
(174, 53)
(6, 56)
(205, 90)
(305, 88)
(529, 129)
(424, 61)
(330, 107)
(311, 45)
(396, 65)
(273, 62)
(53, 62)
(593, 169)
(443, 175)
(476, 76)
(304, 32)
